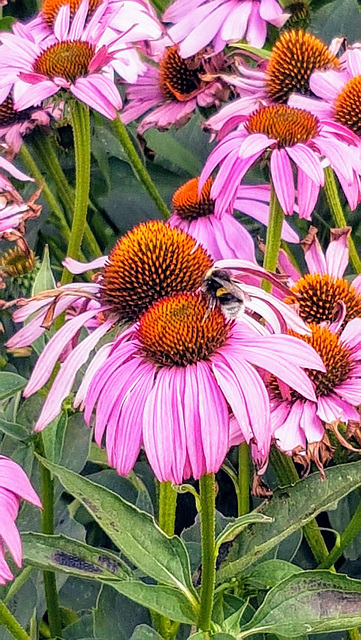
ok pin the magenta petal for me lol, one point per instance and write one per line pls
(337, 255)
(307, 195)
(282, 177)
(311, 424)
(291, 435)
(314, 257)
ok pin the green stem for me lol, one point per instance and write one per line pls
(349, 533)
(19, 581)
(46, 152)
(54, 206)
(208, 524)
(353, 634)
(167, 504)
(273, 237)
(138, 167)
(7, 620)
(244, 468)
(47, 527)
(338, 215)
(287, 474)
(81, 131)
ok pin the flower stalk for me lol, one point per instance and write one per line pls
(167, 504)
(244, 468)
(338, 215)
(81, 130)
(11, 624)
(208, 527)
(273, 237)
(47, 527)
(350, 532)
(139, 168)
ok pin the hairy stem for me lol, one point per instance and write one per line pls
(244, 469)
(81, 131)
(139, 168)
(46, 152)
(7, 620)
(208, 524)
(338, 215)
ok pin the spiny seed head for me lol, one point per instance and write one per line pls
(295, 55)
(150, 262)
(189, 205)
(317, 296)
(17, 263)
(181, 330)
(69, 60)
(179, 79)
(347, 106)
(285, 124)
(335, 356)
(50, 8)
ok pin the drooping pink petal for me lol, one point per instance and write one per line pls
(282, 178)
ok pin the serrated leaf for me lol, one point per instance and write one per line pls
(310, 602)
(134, 532)
(290, 508)
(166, 601)
(44, 279)
(60, 553)
(10, 384)
(233, 529)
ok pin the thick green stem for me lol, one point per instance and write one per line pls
(208, 526)
(167, 504)
(338, 215)
(287, 474)
(244, 468)
(81, 131)
(273, 237)
(353, 634)
(346, 537)
(46, 152)
(138, 167)
(7, 620)
(47, 527)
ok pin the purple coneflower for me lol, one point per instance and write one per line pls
(14, 124)
(14, 486)
(74, 58)
(323, 295)
(294, 56)
(173, 381)
(150, 262)
(14, 211)
(134, 16)
(292, 138)
(299, 424)
(223, 236)
(198, 23)
(176, 87)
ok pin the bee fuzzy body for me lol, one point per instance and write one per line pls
(225, 291)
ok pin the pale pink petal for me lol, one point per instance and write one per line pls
(337, 255)
(282, 178)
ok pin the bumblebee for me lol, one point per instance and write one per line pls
(225, 291)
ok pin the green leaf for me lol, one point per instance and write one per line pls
(290, 509)
(44, 279)
(309, 602)
(168, 149)
(234, 528)
(60, 553)
(143, 632)
(10, 384)
(261, 53)
(270, 573)
(113, 611)
(337, 19)
(167, 601)
(13, 429)
(53, 437)
(134, 532)
(6, 23)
